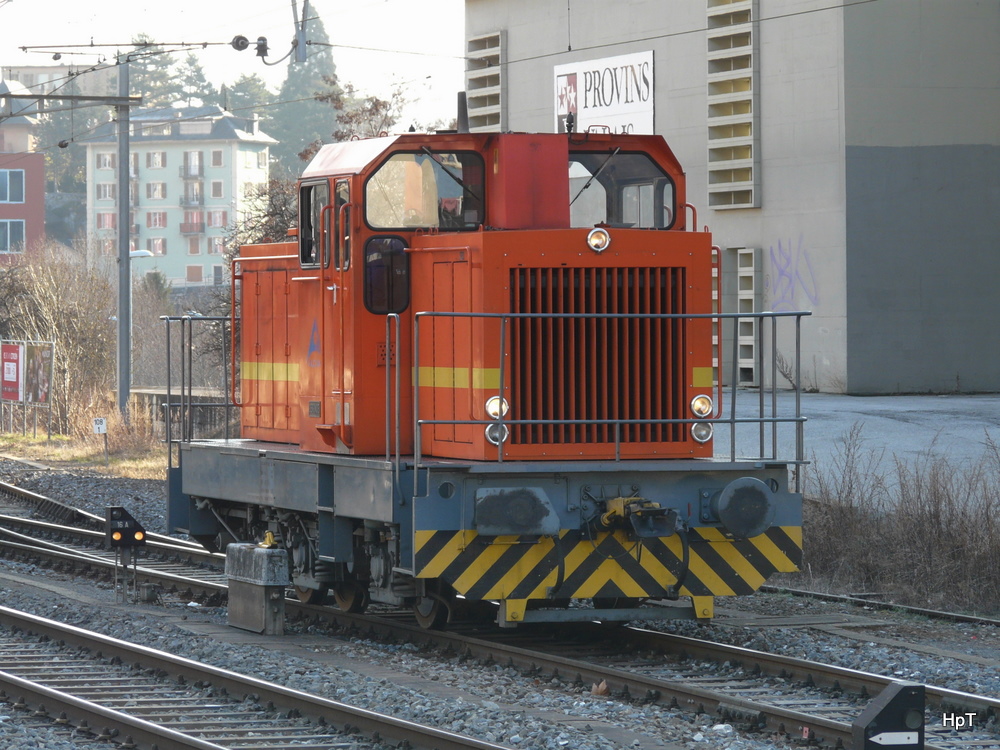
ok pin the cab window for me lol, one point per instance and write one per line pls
(342, 225)
(314, 237)
(619, 189)
(426, 189)
(387, 275)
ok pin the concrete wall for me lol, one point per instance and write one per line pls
(878, 132)
(923, 159)
(800, 225)
(799, 228)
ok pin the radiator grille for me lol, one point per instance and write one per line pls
(597, 368)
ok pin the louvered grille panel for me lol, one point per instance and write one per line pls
(597, 368)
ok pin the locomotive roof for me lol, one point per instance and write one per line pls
(348, 157)
(351, 157)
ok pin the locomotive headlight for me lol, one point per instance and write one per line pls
(702, 432)
(701, 405)
(497, 407)
(497, 433)
(598, 240)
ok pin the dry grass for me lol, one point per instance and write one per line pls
(133, 449)
(923, 533)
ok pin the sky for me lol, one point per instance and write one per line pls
(378, 43)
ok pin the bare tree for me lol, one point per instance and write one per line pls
(50, 296)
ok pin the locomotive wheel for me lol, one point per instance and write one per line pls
(351, 597)
(431, 612)
(311, 596)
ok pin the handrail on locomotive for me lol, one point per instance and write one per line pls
(767, 419)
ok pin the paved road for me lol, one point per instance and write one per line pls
(952, 427)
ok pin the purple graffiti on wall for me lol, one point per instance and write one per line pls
(791, 275)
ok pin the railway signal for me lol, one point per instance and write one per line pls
(122, 530)
(124, 534)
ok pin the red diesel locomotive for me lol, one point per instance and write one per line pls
(484, 369)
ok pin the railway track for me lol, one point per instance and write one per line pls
(109, 688)
(759, 691)
(870, 602)
(174, 569)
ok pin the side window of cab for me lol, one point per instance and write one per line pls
(314, 224)
(342, 225)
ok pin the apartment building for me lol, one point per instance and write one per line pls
(191, 170)
(49, 79)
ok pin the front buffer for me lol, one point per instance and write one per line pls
(588, 542)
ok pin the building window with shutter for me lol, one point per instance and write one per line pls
(218, 219)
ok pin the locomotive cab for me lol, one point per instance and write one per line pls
(424, 232)
(485, 368)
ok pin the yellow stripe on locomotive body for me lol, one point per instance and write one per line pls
(610, 564)
(270, 371)
(458, 377)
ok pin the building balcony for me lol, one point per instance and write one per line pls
(194, 227)
(192, 171)
(192, 200)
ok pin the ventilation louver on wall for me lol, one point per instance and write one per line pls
(742, 289)
(485, 82)
(733, 95)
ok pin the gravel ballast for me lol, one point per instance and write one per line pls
(493, 703)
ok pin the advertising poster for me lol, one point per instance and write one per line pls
(613, 92)
(37, 373)
(12, 356)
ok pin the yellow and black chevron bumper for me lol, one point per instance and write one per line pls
(578, 565)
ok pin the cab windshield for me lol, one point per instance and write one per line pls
(426, 189)
(619, 189)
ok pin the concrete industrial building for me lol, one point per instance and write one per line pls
(844, 153)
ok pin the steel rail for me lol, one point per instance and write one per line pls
(155, 542)
(865, 601)
(803, 670)
(52, 551)
(55, 509)
(379, 727)
(138, 730)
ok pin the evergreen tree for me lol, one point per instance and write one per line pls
(300, 118)
(150, 74)
(195, 88)
(63, 123)
(249, 95)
